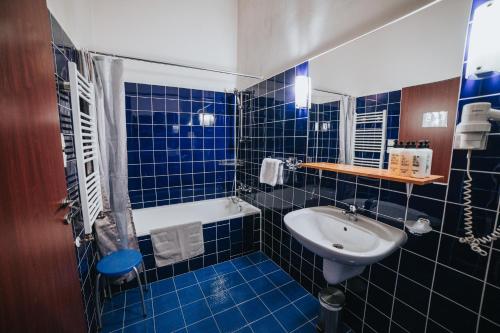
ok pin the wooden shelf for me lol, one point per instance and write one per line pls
(371, 173)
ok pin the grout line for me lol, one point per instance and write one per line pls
(399, 326)
(486, 273)
(395, 283)
(365, 300)
(395, 298)
(490, 321)
(438, 324)
(483, 289)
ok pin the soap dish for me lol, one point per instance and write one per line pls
(419, 227)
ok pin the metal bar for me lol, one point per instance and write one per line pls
(145, 276)
(108, 283)
(331, 92)
(239, 105)
(144, 314)
(384, 139)
(369, 139)
(177, 65)
(368, 146)
(369, 159)
(98, 301)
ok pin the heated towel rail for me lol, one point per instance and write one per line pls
(369, 139)
(86, 149)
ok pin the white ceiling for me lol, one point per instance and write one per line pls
(425, 47)
(191, 32)
(261, 37)
(274, 35)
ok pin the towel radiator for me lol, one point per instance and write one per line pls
(86, 147)
(369, 139)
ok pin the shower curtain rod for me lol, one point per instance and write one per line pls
(332, 92)
(176, 65)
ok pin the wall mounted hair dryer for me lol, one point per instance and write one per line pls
(472, 134)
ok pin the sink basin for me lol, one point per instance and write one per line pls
(347, 247)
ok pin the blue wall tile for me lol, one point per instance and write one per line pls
(165, 137)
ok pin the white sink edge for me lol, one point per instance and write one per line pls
(346, 256)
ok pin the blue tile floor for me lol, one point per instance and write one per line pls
(246, 294)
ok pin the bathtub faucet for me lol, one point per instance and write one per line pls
(235, 200)
(243, 188)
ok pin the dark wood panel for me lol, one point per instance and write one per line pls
(39, 286)
(436, 96)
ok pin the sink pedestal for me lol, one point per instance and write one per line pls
(336, 272)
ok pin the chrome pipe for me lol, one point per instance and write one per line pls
(220, 71)
(145, 276)
(331, 92)
(144, 314)
(98, 301)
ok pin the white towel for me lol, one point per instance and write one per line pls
(177, 243)
(270, 171)
(280, 174)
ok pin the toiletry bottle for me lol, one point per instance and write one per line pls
(419, 161)
(428, 151)
(395, 158)
(407, 159)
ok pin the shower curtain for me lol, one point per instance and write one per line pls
(114, 227)
(346, 130)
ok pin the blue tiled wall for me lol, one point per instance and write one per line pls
(223, 240)
(86, 254)
(172, 158)
(273, 124)
(434, 283)
(323, 146)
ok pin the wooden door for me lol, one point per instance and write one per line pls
(431, 97)
(39, 286)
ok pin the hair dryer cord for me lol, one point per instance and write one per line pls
(470, 238)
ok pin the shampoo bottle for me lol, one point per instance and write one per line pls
(420, 161)
(395, 158)
(428, 151)
(407, 159)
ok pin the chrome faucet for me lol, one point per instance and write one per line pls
(243, 188)
(352, 213)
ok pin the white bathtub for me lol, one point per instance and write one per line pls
(206, 211)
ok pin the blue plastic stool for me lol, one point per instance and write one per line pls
(117, 264)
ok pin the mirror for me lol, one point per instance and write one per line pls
(408, 72)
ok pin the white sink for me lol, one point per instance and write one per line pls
(347, 247)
